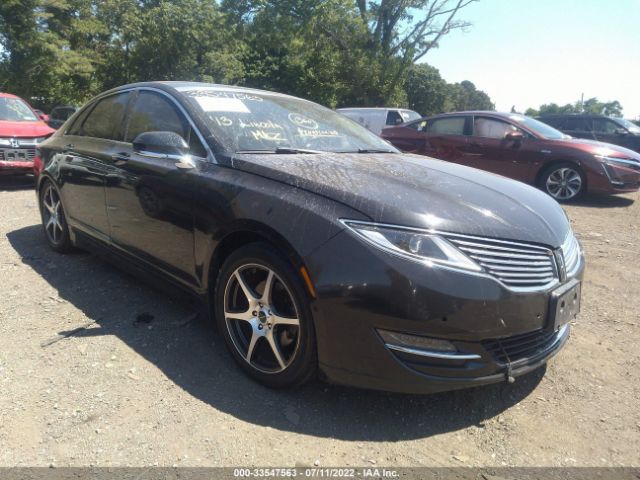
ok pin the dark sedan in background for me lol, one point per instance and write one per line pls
(597, 127)
(522, 148)
(315, 245)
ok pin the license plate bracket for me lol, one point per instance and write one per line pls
(564, 304)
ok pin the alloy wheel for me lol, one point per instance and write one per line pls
(53, 215)
(564, 183)
(261, 318)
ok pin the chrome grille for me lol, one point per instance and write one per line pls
(17, 154)
(521, 266)
(23, 151)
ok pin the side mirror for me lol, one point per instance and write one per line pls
(44, 117)
(168, 145)
(516, 137)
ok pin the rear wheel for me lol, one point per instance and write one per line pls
(54, 222)
(563, 181)
(263, 313)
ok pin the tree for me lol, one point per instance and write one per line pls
(426, 90)
(590, 106)
(464, 96)
(369, 45)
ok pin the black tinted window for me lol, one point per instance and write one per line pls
(574, 124)
(394, 118)
(153, 112)
(105, 120)
(602, 125)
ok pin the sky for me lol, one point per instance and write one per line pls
(530, 52)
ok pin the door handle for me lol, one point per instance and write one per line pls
(120, 158)
(69, 146)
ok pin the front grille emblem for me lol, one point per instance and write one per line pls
(560, 265)
(15, 143)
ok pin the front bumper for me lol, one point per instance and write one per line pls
(616, 179)
(361, 290)
(16, 168)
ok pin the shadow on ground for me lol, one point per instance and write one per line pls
(602, 201)
(192, 355)
(16, 182)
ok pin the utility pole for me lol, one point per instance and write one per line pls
(582, 103)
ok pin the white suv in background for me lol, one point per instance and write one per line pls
(375, 119)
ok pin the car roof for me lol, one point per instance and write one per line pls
(9, 95)
(179, 86)
(372, 108)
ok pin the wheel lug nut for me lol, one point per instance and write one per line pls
(254, 313)
(259, 327)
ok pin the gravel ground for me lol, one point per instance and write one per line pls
(84, 380)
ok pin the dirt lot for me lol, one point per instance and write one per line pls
(126, 392)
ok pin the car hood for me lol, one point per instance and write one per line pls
(595, 147)
(418, 191)
(24, 129)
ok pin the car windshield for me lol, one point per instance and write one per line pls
(632, 127)
(409, 115)
(15, 110)
(542, 129)
(263, 122)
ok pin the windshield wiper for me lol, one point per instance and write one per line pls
(282, 150)
(372, 150)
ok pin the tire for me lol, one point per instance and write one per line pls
(54, 221)
(563, 181)
(270, 334)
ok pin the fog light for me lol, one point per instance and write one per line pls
(423, 346)
(415, 341)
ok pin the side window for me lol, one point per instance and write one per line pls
(603, 125)
(577, 124)
(105, 120)
(394, 118)
(76, 127)
(491, 128)
(447, 126)
(154, 113)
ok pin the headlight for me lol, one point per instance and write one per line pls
(5, 142)
(424, 247)
(620, 162)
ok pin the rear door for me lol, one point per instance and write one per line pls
(490, 150)
(85, 162)
(446, 139)
(578, 127)
(149, 199)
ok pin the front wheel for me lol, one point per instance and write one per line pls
(563, 181)
(263, 313)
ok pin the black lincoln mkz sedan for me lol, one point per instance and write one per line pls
(315, 245)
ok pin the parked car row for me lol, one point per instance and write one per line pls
(317, 246)
(524, 149)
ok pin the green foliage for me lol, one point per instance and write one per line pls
(591, 105)
(336, 52)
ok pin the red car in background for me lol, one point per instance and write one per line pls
(21, 130)
(524, 149)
